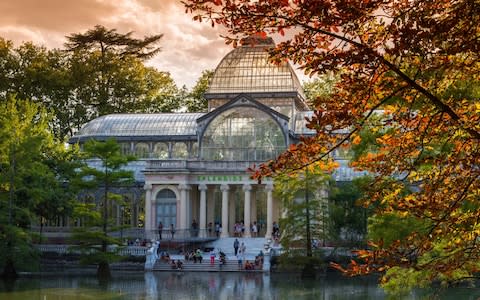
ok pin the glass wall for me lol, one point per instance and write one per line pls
(179, 150)
(125, 149)
(160, 150)
(141, 150)
(242, 133)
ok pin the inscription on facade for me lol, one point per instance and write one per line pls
(217, 178)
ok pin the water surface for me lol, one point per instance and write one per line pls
(204, 285)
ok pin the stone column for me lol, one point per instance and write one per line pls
(148, 208)
(203, 210)
(247, 209)
(269, 189)
(183, 208)
(210, 206)
(224, 188)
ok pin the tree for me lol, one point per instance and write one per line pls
(195, 100)
(107, 175)
(103, 50)
(347, 214)
(417, 61)
(111, 78)
(69, 83)
(28, 179)
(319, 88)
(306, 209)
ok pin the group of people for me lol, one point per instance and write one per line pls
(194, 255)
(161, 229)
(239, 229)
(216, 229)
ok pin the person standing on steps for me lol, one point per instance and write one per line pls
(243, 250)
(172, 230)
(160, 229)
(236, 244)
(212, 257)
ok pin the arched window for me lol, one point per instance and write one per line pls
(242, 133)
(179, 150)
(166, 208)
(141, 150)
(161, 150)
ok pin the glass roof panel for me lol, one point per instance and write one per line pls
(142, 125)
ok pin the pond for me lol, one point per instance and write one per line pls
(204, 285)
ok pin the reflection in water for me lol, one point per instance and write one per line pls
(204, 285)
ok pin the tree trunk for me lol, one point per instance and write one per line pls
(103, 271)
(9, 271)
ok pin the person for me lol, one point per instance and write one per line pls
(217, 229)
(243, 249)
(160, 229)
(179, 264)
(223, 257)
(276, 229)
(198, 256)
(172, 230)
(189, 255)
(165, 257)
(240, 261)
(210, 225)
(157, 243)
(254, 229)
(212, 257)
(194, 228)
(236, 244)
(259, 260)
(248, 265)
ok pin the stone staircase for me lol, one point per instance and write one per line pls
(189, 266)
(253, 248)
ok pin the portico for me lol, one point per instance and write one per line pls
(220, 198)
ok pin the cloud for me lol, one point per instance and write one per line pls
(188, 47)
(54, 15)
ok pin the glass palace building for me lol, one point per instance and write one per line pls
(192, 167)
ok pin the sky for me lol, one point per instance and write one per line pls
(188, 47)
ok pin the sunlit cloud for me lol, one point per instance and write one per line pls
(188, 47)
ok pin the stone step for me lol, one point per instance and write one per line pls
(205, 266)
(253, 245)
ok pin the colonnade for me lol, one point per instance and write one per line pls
(184, 208)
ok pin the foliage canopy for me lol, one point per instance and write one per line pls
(416, 61)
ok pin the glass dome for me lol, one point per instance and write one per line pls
(243, 134)
(247, 69)
(141, 125)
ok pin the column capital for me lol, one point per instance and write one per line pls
(247, 187)
(184, 186)
(224, 187)
(147, 187)
(202, 187)
(269, 187)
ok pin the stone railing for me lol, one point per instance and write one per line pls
(153, 165)
(343, 173)
(64, 249)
